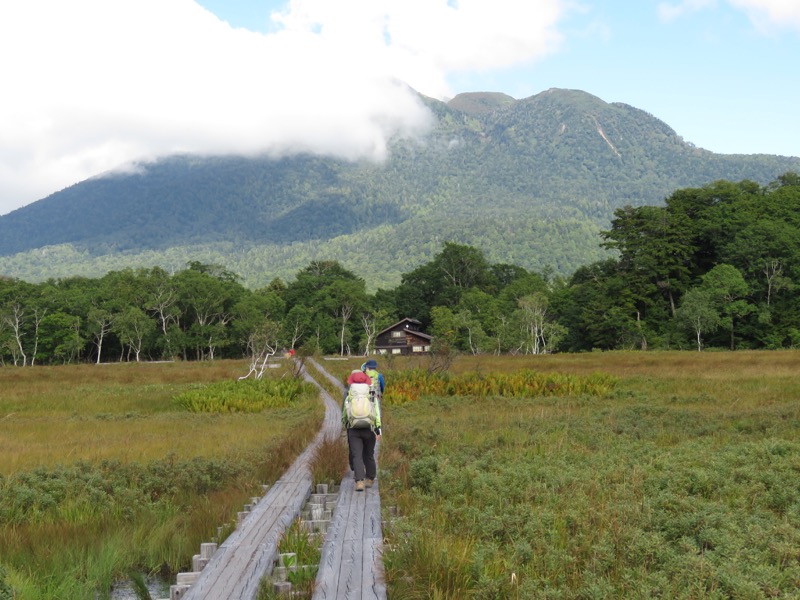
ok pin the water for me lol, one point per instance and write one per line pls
(124, 590)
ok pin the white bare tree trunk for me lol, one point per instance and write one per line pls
(37, 320)
(163, 299)
(772, 270)
(103, 322)
(297, 332)
(698, 329)
(16, 320)
(370, 324)
(344, 313)
(261, 345)
(534, 313)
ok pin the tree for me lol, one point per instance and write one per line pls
(132, 327)
(262, 344)
(697, 311)
(99, 324)
(61, 338)
(462, 267)
(160, 299)
(598, 310)
(13, 318)
(332, 295)
(474, 337)
(343, 298)
(656, 250)
(444, 327)
(443, 281)
(461, 330)
(207, 297)
(761, 251)
(250, 311)
(21, 314)
(373, 321)
(727, 288)
(315, 277)
(538, 333)
(296, 325)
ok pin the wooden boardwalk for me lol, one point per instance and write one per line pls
(351, 564)
(352, 555)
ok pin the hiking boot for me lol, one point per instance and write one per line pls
(369, 482)
(360, 485)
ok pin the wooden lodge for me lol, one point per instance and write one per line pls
(404, 337)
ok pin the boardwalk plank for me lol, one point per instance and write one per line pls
(372, 555)
(240, 563)
(349, 586)
(351, 567)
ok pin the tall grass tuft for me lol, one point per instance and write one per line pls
(329, 464)
(303, 566)
(139, 585)
(435, 565)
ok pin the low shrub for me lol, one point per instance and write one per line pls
(244, 396)
(663, 488)
(409, 386)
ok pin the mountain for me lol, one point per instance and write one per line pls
(531, 182)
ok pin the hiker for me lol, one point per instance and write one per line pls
(361, 416)
(371, 369)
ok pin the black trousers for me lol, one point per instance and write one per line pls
(362, 453)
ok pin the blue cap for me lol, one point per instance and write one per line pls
(371, 364)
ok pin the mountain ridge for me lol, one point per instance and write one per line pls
(530, 181)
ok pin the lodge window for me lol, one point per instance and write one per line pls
(398, 334)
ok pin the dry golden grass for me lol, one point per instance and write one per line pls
(664, 365)
(730, 377)
(59, 415)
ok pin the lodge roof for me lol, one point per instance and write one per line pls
(406, 320)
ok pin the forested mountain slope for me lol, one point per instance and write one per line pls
(530, 182)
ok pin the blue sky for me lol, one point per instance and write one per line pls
(90, 85)
(705, 70)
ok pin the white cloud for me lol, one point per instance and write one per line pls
(771, 14)
(670, 11)
(764, 14)
(91, 84)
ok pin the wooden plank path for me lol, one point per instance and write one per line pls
(351, 564)
(351, 567)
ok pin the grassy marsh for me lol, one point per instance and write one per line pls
(682, 482)
(103, 470)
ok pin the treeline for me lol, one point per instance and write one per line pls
(715, 266)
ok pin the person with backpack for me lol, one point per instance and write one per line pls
(378, 382)
(361, 416)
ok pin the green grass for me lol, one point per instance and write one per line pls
(246, 396)
(104, 471)
(681, 482)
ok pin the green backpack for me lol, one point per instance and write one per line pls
(374, 376)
